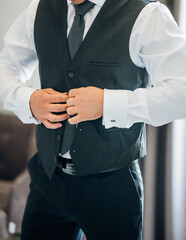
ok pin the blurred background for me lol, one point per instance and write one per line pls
(164, 168)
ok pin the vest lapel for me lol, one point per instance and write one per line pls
(60, 11)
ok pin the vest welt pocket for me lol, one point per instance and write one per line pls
(104, 64)
(113, 130)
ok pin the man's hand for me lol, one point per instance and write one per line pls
(45, 103)
(86, 103)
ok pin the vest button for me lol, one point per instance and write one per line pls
(74, 151)
(58, 137)
(55, 159)
(71, 74)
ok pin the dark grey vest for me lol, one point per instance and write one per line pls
(102, 61)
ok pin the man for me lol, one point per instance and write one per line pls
(91, 109)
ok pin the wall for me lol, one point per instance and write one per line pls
(9, 10)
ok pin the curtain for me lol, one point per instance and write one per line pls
(164, 170)
(179, 159)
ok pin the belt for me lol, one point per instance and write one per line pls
(68, 167)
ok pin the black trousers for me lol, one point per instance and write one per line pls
(106, 206)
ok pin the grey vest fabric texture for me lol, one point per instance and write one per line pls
(102, 61)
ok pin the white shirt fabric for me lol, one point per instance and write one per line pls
(156, 43)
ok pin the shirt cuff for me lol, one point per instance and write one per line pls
(22, 102)
(115, 108)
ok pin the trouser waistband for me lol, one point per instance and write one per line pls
(68, 167)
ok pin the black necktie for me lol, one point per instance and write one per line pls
(74, 41)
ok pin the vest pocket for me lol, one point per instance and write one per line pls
(102, 75)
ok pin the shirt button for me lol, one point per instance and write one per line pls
(71, 74)
(58, 137)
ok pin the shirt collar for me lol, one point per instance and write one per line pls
(97, 2)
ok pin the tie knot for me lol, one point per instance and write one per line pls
(83, 8)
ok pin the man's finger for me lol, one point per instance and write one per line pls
(74, 120)
(53, 118)
(71, 101)
(58, 98)
(73, 92)
(72, 110)
(57, 107)
(50, 125)
(52, 91)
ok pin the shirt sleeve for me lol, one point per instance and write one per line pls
(157, 44)
(18, 60)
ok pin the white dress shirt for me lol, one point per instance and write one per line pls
(156, 43)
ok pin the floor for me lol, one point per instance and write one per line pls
(14, 238)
